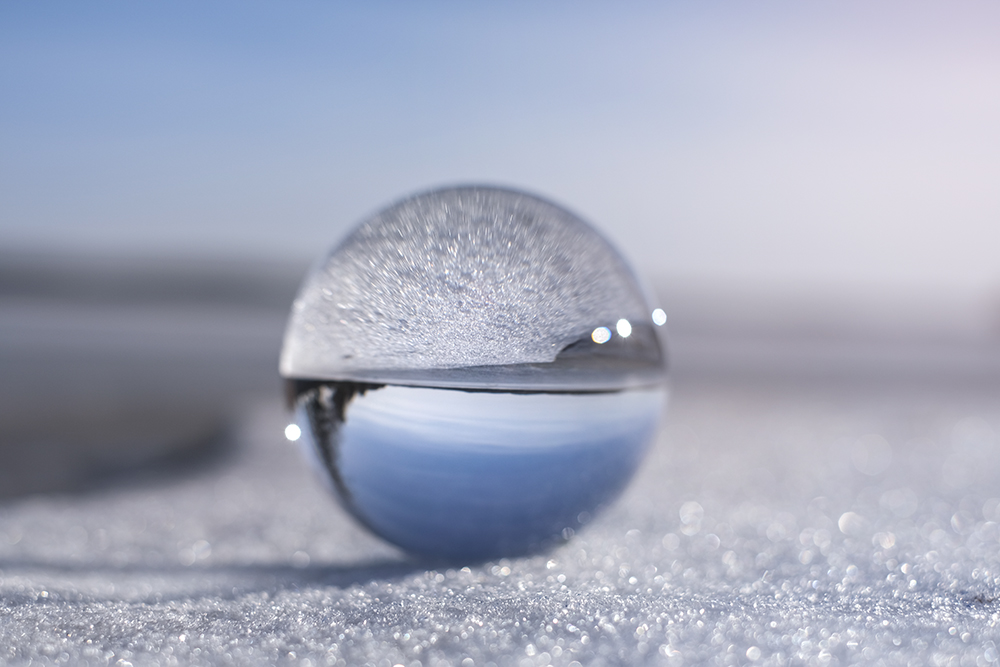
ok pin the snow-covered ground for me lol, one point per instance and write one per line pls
(775, 522)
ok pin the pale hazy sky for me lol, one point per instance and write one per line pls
(838, 143)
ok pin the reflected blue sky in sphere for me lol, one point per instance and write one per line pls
(459, 474)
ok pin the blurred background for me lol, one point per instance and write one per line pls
(812, 190)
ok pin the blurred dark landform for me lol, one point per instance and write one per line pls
(113, 366)
(119, 367)
(150, 281)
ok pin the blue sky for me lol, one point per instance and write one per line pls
(839, 143)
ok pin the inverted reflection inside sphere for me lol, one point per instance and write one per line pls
(456, 379)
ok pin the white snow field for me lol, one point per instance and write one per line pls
(775, 522)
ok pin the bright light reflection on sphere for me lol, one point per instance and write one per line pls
(601, 335)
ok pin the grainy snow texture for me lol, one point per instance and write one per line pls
(454, 278)
(773, 524)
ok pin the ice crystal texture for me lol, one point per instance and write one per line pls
(462, 278)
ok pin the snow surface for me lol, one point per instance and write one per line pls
(772, 524)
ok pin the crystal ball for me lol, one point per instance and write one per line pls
(474, 372)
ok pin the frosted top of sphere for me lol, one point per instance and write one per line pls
(470, 278)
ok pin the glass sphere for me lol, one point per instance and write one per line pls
(474, 371)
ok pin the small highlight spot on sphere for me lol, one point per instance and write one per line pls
(624, 328)
(601, 335)
(293, 432)
(659, 317)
